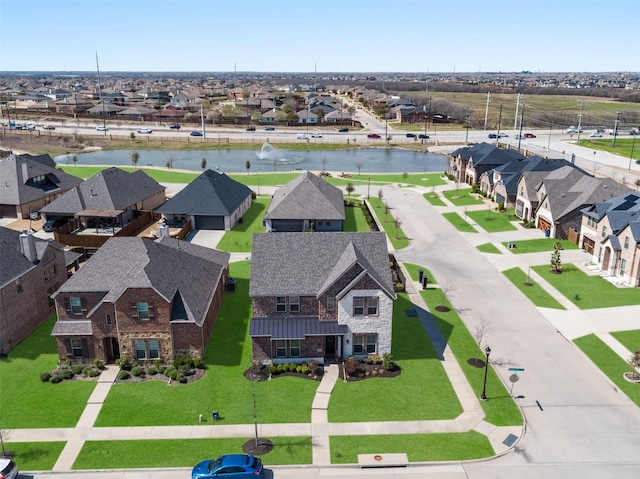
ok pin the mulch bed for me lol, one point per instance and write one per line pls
(360, 374)
(197, 374)
(263, 446)
(262, 374)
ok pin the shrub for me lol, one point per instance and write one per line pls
(280, 368)
(157, 363)
(273, 370)
(368, 360)
(124, 364)
(77, 368)
(304, 370)
(199, 363)
(387, 361)
(66, 374)
(92, 373)
(124, 374)
(181, 378)
(351, 365)
(55, 379)
(186, 361)
(500, 206)
(44, 377)
(299, 369)
(99, 363)
(162, 369)
(314, 366)
(137, 371)
(152, 371)
(86, 371)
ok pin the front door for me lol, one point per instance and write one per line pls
(330, 346)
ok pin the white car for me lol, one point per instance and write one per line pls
(595, 135)
(102, 128)
(8, 468)
(300, 136)
(316, 135)
(145, 131)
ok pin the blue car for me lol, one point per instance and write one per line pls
(195, 133)
(230, 466)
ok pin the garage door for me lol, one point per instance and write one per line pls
(210, 222)
(287, 225)
(8, 211)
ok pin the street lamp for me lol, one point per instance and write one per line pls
(483, 396)
(368, 187)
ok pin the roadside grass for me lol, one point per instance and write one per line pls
(238, 240)
(223, 388)
(461, 225)
(395, 235)
(536, 294)
(35, 456)
(462, 197)
(413, 271)
(161, 176)
(377, 180)
(612, 365)
(494, 221)
(411, 393)
(163, 453)
(26, 401)
(418, 447)
(538, 245)
(624, 146)
(488, 248)
(629, 339)
(354, 219)
(588, 292)
(434, 199)
(500, 409)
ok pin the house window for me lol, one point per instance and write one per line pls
(154, 348)
(604, 231)
(368, 305)
(107, 319)
(281, 304)
(294, 348)
(364, 343)
(281, 348)
(288, 349)
(623, 266)
(143, 310)
(294, 304)
(149, 349)
(358, 306)
(50, 271)
(372, 306)
(76, 304)
(626, 242)
(76, 347)
(331, 303)
(141, 350)
(371, 344)
(19, 287)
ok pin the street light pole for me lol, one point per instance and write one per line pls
(483, 396)
(633, 145)
(368, 187)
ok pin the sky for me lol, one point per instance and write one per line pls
(320, 35)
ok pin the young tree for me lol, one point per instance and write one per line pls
(324, 164)
(396, 224)
(634, 362)
(359, 165)
(556, 261)
(132, 136)
(380, 196)
(350, 188)
(482, 330)
(638, 185)
(386, 212)
(247, 165)
(74, 158)
(203, 163)
(135, 156)
(446, 287)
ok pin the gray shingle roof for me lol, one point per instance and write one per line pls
(294, 328)
(168, 266)
(18, 171)
(210, 194)
(110, 189)
(72, 328)
(307, 197)
(305, 263)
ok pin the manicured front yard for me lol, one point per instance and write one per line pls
(461, 225)
(223, 388)
(488, 248)
(410, 396)
(588, 292)
(494, 221)
(238, 240)
(35, 456)
(536, 293)
(462, 197)
(434, 199)
(386, 218)
(629, 339)
(538, 245)
(184, 452)
(26, 401)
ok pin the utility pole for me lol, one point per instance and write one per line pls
(580, 119)
(104, 116)
(204, 133)
(486, 112)
(515, 119)
(466, 139)
(499, 122)
(615, 129)
(521, 122)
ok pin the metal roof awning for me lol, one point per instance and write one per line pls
(294, 328)
(72, 328)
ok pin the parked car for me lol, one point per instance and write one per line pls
(411, 135)
(595, 135)
(175, 126)
(240, 466)
(529, 135)
(145, 131)
(373, 135)
(251, 128)
(53, 223)
(195, 133)
(343, 130)
(422, 136)
(102, 128)
(48, 127)
(8, 469)
(301, 136)
(269, 128)
(316, 135)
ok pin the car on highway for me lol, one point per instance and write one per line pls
(595, 135)
(529, 135)
(195, 133)
(236, 466)
(269, 128)
(175, 126)
(145, 131)
(251, 128)
(316, 135)
(492, 135)
(519, 137)
(373, 135)
(411, 135)
(422, 136)
(102, 128)
(343, 130)
(8, 468)
(48, 127)
(502, 135)
(301, 136)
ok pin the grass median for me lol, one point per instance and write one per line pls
(536, 293)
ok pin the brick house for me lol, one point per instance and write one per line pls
(610, 231)
(32, 269)
(468, 164)
(320, 296)
(141, 299)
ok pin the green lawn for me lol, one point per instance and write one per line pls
(488, 248)
(418, 447)
(238, 240)
(612, 365)
(413, 271)
(223, 388)
(184, 452)
(354, 219)
(538, 245)
(461, 225)
(588, 292)
(35, 456)
(500, 409)
(161, 176)
(494, 221)
(412, 393)
(395, 235)
(434, 199)
(536, 294)
(629, 339)
(462, 197)
(623, 146)
(27, 402)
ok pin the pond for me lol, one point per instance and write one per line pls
(372, 160)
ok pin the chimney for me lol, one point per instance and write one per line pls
(28, 246)
(164, 231)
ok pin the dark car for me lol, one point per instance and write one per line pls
(195, 133)
(422, 136)
(343, 130)
(269, 128)
(251, 128)
(411, 135)
(53, 223)
(492, 135)
(175, 126)
(529, 135)
(240, 466)
(48, 127)
(8, 469)
(373, 135)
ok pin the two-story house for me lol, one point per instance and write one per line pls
(320, 296)
(142, 300)
(469, 163)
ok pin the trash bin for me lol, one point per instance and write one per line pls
(231, 285)
(547, 233)
(215, 415)
(420, 274)
(425, 279)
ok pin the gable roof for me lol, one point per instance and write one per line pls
(210, 194)
(173, 268)
(307, 197)
(306, 264)
(17, 174)
(112, 189)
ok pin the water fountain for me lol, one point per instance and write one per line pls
(270, 155)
